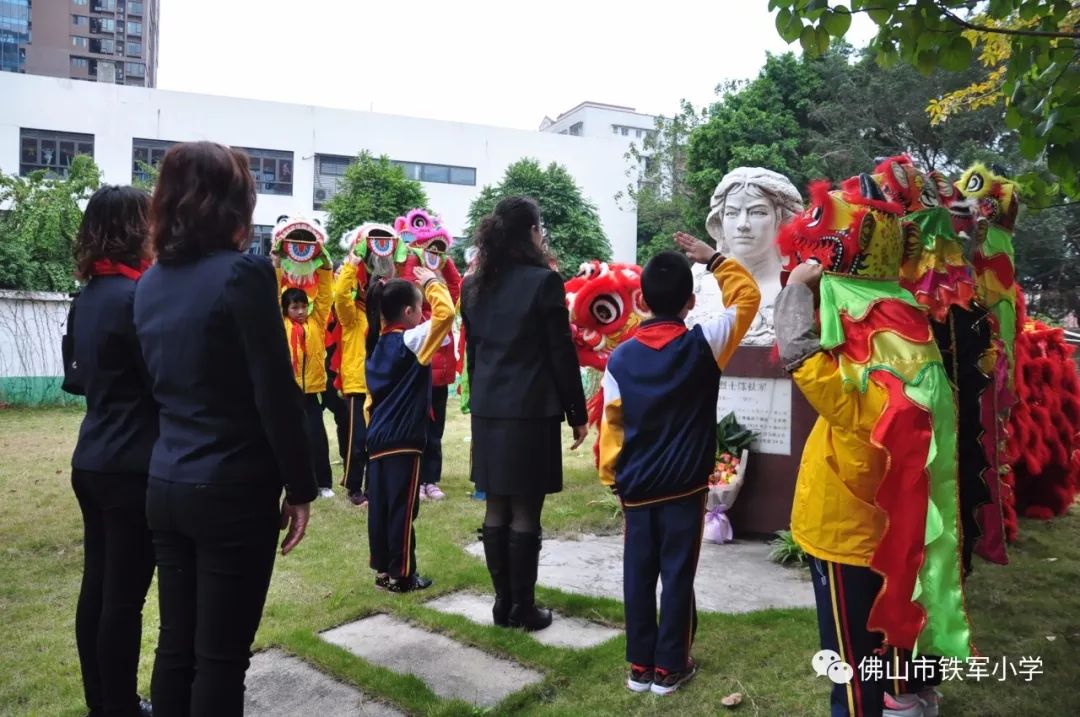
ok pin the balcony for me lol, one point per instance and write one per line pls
(103, 5)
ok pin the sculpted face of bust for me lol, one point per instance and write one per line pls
(750, 222)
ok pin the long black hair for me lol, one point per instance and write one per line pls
(504, 239)
(387, 301)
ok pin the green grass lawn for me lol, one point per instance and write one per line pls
(1031, 608)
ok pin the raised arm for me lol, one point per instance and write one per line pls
(741, 301)
(250, 298)
(325, 296)
(425, 339)
(344, 303)
(555, 323)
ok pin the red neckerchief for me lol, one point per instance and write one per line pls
(391, 329)
(108, 267)
(658, 333)
(297, 343)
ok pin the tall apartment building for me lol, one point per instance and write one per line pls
(596, 119)
(112, 41)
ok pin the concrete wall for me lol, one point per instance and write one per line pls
(115, 115)
(31, 326)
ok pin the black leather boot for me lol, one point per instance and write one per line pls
(524, 561)
(497, 552)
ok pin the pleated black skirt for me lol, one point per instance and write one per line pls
(517, 457)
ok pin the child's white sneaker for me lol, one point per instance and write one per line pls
(326, 492)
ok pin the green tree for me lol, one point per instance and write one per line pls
(664, 199)
(372, 190)
(1033, 62)
(572, 223)
(38, 231)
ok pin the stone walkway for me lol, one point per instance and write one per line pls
(280, 685)
(450, 669)
(569, 632)
(733, 578)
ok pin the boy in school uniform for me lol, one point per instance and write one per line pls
(400, 348)
(658, 446)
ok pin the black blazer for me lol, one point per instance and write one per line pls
(121, 422)
(214, 344)
(521, 359)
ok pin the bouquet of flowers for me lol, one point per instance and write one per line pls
(732, 452)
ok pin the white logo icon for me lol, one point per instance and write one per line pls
(822, 661)
(841, 673)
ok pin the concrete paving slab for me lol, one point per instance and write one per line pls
(281, 685)
(732, 578)
(452, 670)
(570, 632)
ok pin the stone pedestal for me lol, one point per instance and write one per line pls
(765, 400)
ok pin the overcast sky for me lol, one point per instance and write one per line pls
(500, 63)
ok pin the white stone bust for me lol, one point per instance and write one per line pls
(748, 208)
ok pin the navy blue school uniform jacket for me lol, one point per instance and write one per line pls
(398, 372)
(214, 345)
(658, 429)
(121, 422)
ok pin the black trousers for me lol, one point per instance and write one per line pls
(393, 504)
(215, 547)
(662, 541)
(118, 563)
(339, 409)
(844, 595)
(431, 470)
(320, 447)
(355, 450)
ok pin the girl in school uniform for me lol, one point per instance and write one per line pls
(401, 347)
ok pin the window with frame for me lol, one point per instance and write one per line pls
(135, 8)
(329, 171)
(624, 131)
(102, 25)
(80, 63)
(103, 46)
(80, 21)
(272, 170)
(82, 43)
(438, 173)
(134, 49)
(104, 6)
(614, 129)
(41, 149)
(146, 153)
(135, 69)
(81, 3)
(261, 235)
(577, 129)
(134, 28)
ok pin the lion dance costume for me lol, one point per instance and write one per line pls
(606, 308)
(876, 503)
(938, 275)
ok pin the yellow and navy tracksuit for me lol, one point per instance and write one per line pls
(352, 317)
(657, 449)
(307, 347)
(398, 409)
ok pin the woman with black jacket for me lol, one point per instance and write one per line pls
(524, 379)
(231, 429)
(112, 456)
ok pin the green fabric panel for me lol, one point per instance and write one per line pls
(932, 223)
(998, 241)
(939, 589)
(854, 297)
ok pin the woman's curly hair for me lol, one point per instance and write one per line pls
(203, 201)
(114, 228)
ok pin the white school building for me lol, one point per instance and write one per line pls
(298, 152)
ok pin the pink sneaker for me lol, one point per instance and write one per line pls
(903, 706)
(423, 492)
(434, 493)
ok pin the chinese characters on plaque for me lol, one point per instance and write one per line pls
(762, 405)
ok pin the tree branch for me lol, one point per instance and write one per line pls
(956, 19)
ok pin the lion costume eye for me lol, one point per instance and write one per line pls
(606, 309)
(929, 196)
(815, 216)
(974, 184)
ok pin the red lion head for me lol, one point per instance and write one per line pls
(606, 307)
